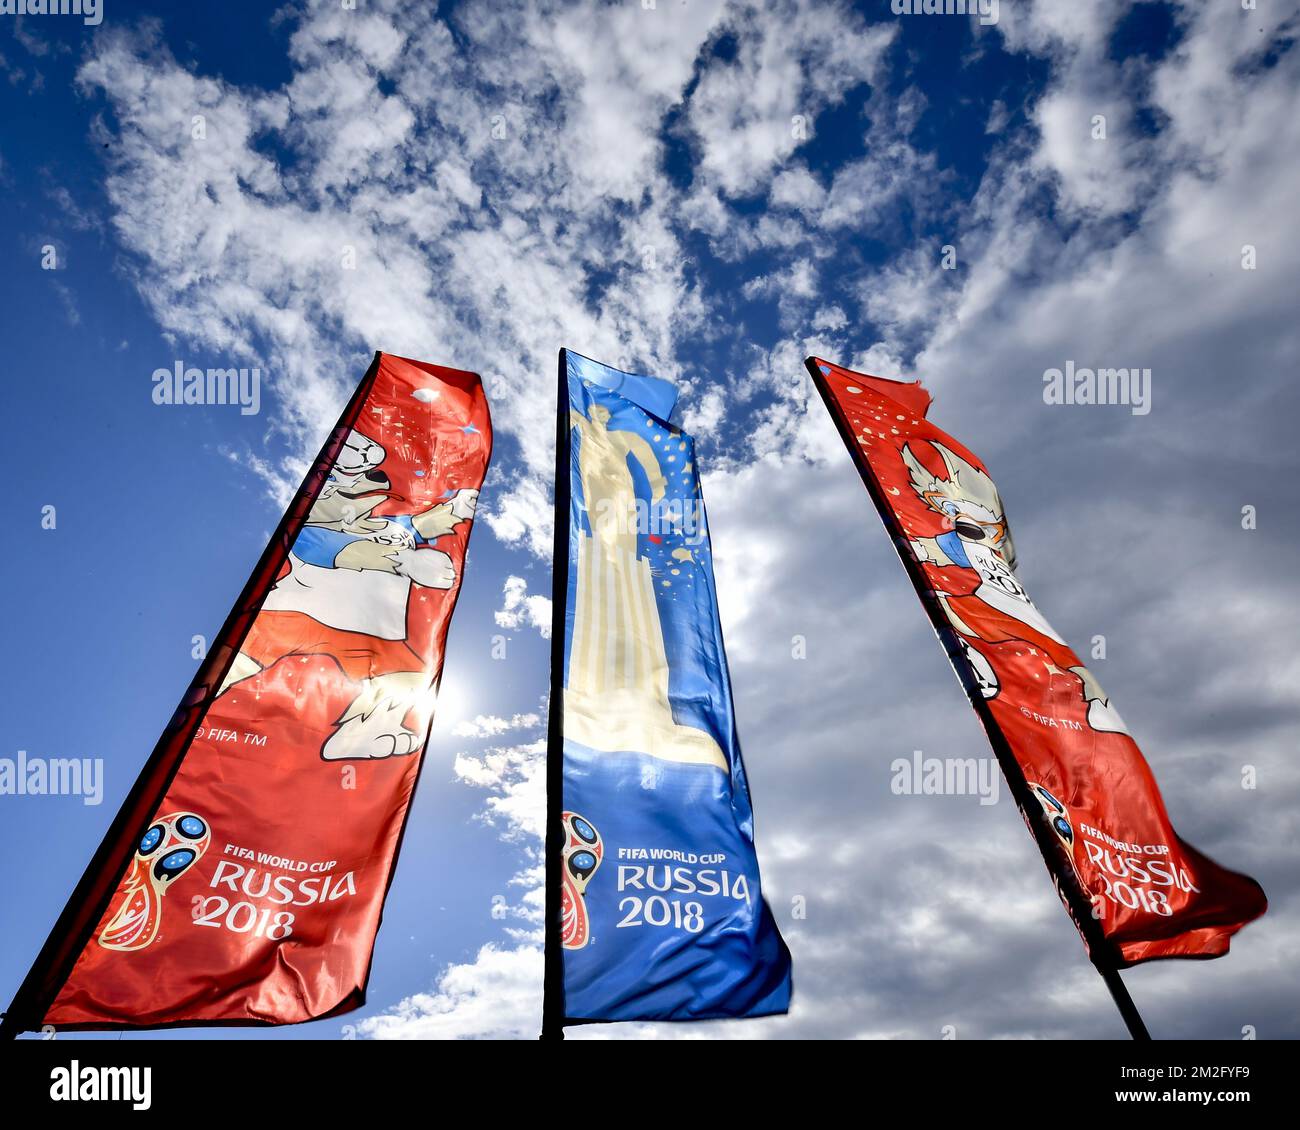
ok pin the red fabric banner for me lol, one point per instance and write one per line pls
(252, 891)
(1151, 894)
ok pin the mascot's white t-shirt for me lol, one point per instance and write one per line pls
(999, 587)
(353, 600)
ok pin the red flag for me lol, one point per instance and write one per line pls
(244, 878)
(1134, 887)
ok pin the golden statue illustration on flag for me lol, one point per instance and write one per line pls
(616, 698)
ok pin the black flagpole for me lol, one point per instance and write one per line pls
(94, 891)
(553, 990)
(1120, 994)
(1077, 902)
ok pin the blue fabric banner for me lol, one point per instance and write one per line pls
(662, 913)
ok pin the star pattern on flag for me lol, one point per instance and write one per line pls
(675, 544)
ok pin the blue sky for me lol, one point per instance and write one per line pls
(708, 192)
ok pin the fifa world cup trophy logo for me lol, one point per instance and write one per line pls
(171, 846)
(1058, 816)
(583, 849)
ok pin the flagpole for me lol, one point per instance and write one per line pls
(553, 975)
(99, 882)
(1077, 901)
(1127, 1009)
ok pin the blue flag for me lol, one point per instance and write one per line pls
(662, 915)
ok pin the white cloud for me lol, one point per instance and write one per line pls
(792, 60)
(521, 610)
(490, 726)
(795, 187)
(497, 996)
(515, 777)
(474, 236)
